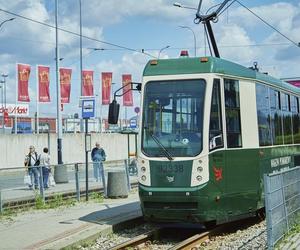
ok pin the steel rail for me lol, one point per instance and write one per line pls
(140, 241)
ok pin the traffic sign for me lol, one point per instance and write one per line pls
(137, 110)
(88, 108)
(133, 123)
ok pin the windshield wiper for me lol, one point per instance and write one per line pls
(166, 152)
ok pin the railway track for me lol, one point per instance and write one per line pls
(192, 241)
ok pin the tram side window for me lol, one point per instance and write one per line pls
(215, 126)
(276, 117)
(232, 109)
(287, 119)
(263, 115)
(295, 118)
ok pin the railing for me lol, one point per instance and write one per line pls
(71, 182)
(282, 198)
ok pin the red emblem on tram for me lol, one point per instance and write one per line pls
(218, 173)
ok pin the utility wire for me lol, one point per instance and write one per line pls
(74, 33)
(226, 7)
(265, 22)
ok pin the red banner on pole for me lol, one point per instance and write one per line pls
(106, 87)
(127, 92)
(23, 78)
(65, 84)
(87, 82)
(44, 83)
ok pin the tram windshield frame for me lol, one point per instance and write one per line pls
(173, 111)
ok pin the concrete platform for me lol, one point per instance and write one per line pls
(57, 228)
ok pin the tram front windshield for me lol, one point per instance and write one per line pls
(173, 118)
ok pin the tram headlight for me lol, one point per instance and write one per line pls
(200, 169)
(143, 178)
(143, 169)
(199, 178)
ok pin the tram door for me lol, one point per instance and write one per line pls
(216, 148)
(240, 175)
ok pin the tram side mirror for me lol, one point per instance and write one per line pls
(113, 112)
(216, 142)
(138, 87)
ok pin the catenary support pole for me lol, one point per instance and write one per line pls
(86, 162)
(59, 117)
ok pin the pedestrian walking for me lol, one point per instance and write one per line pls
(46, 169)
(32, 162)
(98, 156)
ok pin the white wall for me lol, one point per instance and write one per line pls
(13, 148)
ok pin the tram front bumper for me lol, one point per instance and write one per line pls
(174, 206)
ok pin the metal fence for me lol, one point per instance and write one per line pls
(282, 198)
(71, 182)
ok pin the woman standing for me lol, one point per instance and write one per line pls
(45, 163)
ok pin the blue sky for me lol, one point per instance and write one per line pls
(149, 25)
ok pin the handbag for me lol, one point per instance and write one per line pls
(51, 180)
(27, 180)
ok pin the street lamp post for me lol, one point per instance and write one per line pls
(58, 103)
(179, 5)
(3, 82)
(195, 43)
(166, 47)
(80, 44)
(8, 20)
(4, 99)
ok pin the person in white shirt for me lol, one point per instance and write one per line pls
(45, 163)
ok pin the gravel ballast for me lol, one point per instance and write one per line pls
(253, 237)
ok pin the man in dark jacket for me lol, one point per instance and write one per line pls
(98, 156)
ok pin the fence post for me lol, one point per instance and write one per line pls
(77, 182)
(284, 204)
(42, 184)
(103, 178)
(127, 175)
(268, 210)
(1, 206)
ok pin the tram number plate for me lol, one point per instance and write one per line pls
(171, 169)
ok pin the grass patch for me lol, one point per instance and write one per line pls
(97, 197)
(287, 237)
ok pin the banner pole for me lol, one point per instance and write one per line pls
(16, 101)
(37, 100)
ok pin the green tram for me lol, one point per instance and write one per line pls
(210, 129)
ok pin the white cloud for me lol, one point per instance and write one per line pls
(234, 35)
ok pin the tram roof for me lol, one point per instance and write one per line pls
(193, 65)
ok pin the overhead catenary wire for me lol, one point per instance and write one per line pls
(76, 34)
(226, 7)
(268, 24)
